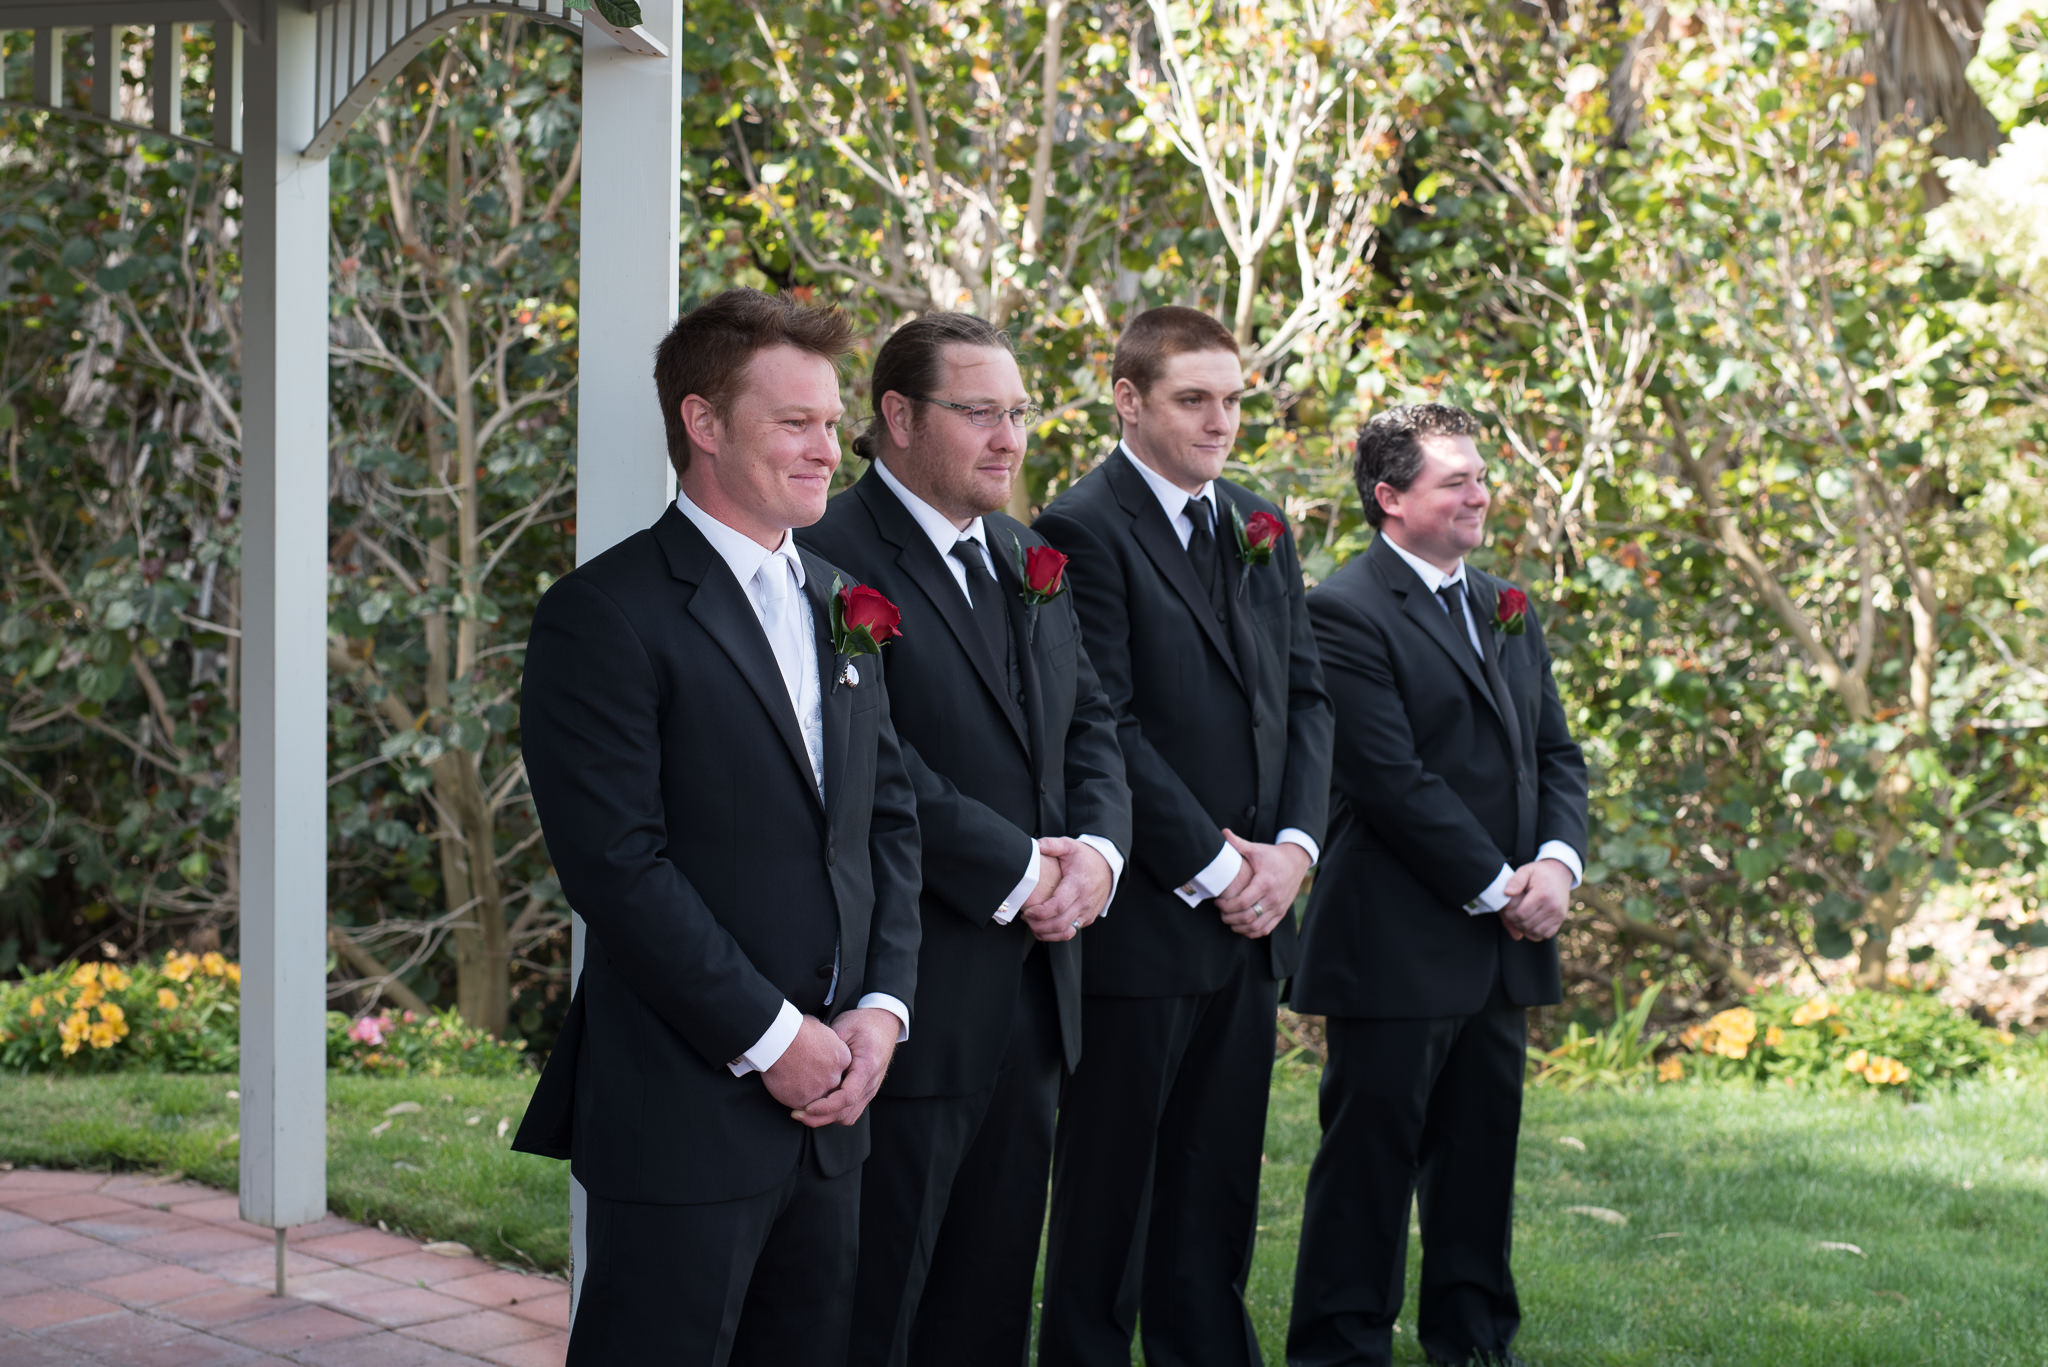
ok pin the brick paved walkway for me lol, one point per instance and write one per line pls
(132, 1271)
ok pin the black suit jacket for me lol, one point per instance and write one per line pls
(992, 772)
(1437, 784)
(1221, 723)
(677, 801)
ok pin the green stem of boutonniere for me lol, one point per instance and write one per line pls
(1244, 549)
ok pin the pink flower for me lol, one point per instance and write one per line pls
(368, 1031)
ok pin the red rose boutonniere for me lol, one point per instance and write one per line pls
(863, 621)
(1511, 616)
(1043, 573)
(1256, 537)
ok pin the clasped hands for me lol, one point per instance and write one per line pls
(1074, 883)
(1265, 887)
(1539, 894)
(830, 1073)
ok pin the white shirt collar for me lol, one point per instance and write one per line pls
(1432, 577)
(1171, 496)
(935, 524)
(743, 555)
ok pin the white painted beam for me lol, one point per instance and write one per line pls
(284, 619)
(228, 59)
(632, 206)
(167, 80)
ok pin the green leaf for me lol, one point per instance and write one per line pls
(623, 13)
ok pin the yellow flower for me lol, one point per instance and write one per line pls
(112, 1014)
(35, 1006)
(86, 973)
(1815, 1009)
(90, 996)
(178, 966)
(70, 1045)
(234, 972)
(212, 964)
(113, 977)
(104, 1034)
(166, 998)
(73, 1030)
(1737, 1023)
(1886, 1072)
(1671, 1069)
(1735, 1050)
(1856, 1062)
(2006, 1037)
(1837, 1029)
(1773, 1037)
(1691, 1038)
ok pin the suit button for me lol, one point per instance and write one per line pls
(824, 973)
(831, 854)
(1255, 721)
(1020, 697)
(1251, 815)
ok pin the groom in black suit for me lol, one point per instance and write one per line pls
(1457, 833)
(1012, 751)
(730, 813)
(1190, 595)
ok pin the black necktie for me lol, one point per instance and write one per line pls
(984, 599)
(1202, 550)
(1453, 594)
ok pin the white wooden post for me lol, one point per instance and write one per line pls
(632, 206)
(284, 630)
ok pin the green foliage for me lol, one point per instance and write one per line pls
(435, 1045)
(1615, 1055)
(179, 1015)
(1863, 1041)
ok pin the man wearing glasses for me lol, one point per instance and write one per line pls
(1025, 818)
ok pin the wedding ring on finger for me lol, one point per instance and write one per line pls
(1258, 907)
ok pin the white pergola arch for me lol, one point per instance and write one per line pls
(288, 78)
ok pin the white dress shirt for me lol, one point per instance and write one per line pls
(1215, 880)
(1495, 896)
(944, 535)
(773, 581)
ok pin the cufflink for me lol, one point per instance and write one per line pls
(1188, 889)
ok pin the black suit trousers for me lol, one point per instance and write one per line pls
(1155, 1189)
(952, 1201)
(762, 1281)
(1425, 1109)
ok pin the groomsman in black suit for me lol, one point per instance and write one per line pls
(738, 831)
(1456, 836)
(1190, 595)
(1025, 817)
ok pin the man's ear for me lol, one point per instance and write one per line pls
(700, 420)
(897, 417)
(1388, 497)
(1128, 399)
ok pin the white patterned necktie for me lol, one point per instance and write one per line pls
(784, 620)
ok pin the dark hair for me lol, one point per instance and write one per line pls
(708, 349)
(1156, 334)
(909, 363)
(1390, 448)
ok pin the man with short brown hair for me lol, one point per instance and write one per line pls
(728, 809)
(1457, 831)
(1190, 594)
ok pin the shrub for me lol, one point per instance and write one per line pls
(438, 1043)
(1864, 1040)
(1613, 1056)
(183, 1015)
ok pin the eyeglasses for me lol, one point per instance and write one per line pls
(987, 414)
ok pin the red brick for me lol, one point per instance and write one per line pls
(226, 1212)
(193, 1350)
(19, 1350)
(552, 1311)
(301, 1327)
(40, 1241)
(357, 1246)
(191, 1245)
(495, 1289)
(551, 1351)
(324, 1288)
(16, 1279)
(381, 1349)
(92, 1264)
(229, 1305)
(58, 1206)
(477, 1331)
(258, 1266)
(321, 1229)
(399, 1306)
(9, 1220)
(116, 1337)
(175, 1194)
(429, 1269)
(44, 1180)
(162, 1282)
(136, 1222)
(41, 1309)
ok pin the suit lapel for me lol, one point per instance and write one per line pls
(1485, 601)
(1030, 671)
(919, 559)
(1161, 545)
(721, 606)
(834, 702)
(1234, 566)
(1427, 611)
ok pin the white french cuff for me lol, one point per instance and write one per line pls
(1021, 894)
(1111, 856)
(1294, 836)
(1214, 880)
(772, 1045)
(893, 1005)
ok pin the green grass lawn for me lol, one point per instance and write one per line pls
(1728, 1194)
